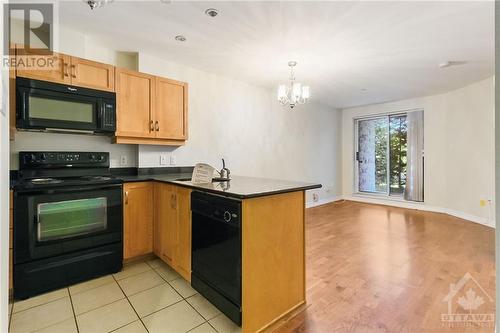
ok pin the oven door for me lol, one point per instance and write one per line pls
(58, 221)
(42, 109)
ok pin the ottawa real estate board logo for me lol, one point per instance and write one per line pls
(28, 39)
(469, 305)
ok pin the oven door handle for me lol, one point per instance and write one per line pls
(72, 189)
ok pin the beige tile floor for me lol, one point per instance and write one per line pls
(144, 297)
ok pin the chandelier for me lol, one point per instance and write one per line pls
(294, 93)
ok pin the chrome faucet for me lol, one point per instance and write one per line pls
(224, 172)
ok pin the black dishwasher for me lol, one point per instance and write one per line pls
(216, 251)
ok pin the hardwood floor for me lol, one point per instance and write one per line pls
(374, 268)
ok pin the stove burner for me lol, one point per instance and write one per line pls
(45, 181)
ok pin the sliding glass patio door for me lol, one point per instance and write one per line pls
(381, 155)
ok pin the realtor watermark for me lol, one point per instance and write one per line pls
(28, 40)
(467, 301)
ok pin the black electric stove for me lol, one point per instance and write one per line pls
(68, 220)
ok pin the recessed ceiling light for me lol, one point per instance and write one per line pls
(445, 64)
(212, 12)
(180, 38)
(448, 63)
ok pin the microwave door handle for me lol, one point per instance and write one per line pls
(100, 118)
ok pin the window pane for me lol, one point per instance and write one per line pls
(46, 108)
(71, 218)
(372, 159)
(397, 153)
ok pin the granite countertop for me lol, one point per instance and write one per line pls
(238, 187)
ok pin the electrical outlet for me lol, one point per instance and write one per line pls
(163, 159)
(315, 197)
(172, 159)
(123, 160)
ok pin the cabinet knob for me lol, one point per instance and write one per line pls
(151, 126)
(73, 71)
(65, 70)
(157, 126)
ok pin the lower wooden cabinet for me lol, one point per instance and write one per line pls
(172, 227)
(138, 215)
(165, 220)
(182, 253)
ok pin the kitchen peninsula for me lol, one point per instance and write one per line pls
(271, 257)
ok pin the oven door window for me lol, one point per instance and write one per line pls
(61, 110)
(57, 220)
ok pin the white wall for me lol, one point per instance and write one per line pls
(245, 125)
(459, 148)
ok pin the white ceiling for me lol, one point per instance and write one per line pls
(391, 49)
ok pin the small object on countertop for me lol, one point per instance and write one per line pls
(224, 173)
(202, 173)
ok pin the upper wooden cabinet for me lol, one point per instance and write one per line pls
(138, 219)
(134, 104)
(69, 70)
(92, 74)
(59, 68)
(171, 109)
(150, 109)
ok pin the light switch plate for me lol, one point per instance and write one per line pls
(123, 160)
(172, 159)
(163, 160)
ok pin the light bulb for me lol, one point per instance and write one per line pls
(296, 90)
(306, 93)
(281, 92)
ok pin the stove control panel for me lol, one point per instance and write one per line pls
(49, 159)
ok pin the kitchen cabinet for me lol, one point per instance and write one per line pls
(138, 218)
(92, 74)
(171, 109)
(68, 70)
(173, 227)
(59, 68)
(134, 104)
(182, 254)
(165, 220)
(150, 109)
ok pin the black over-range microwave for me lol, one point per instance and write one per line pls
(42, 105)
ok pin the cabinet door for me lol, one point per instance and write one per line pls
(134, 99)
(57, 69)
(165, 222)
(91, 74)
(182, 257)
(138, 219)
(171, 109)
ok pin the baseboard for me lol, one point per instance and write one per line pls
(420, 206)
(325, 201)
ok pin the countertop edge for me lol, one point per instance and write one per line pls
(227, 194)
